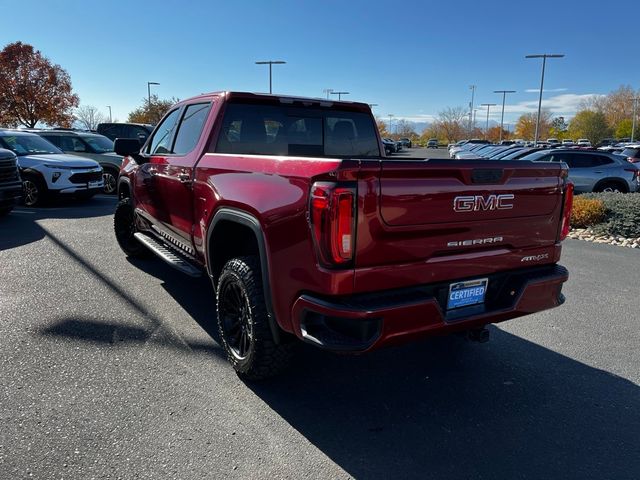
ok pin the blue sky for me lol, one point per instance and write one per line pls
(411, 58)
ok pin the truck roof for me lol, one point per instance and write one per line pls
(281, 98)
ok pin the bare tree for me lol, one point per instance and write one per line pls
(89, 117)
(405, 129)
(452, 122)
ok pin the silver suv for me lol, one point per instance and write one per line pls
(594, 171)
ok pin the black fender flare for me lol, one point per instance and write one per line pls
(248, 220)
(122, 179)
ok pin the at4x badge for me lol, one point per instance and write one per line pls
(535, 258)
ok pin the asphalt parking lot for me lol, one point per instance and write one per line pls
(110, 369)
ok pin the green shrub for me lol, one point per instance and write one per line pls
(587, 212)
(622, 214)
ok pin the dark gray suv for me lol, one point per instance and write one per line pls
(594, 171)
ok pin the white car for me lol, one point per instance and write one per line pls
(567, 141)
(46, 170)
(583, 142)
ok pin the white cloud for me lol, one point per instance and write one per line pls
(566, 104)
(546, 90)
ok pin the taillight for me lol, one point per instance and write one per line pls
(636, 173)
(566, 211)
(633, 159)
(333, 222)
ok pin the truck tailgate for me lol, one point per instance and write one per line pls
(437, 218)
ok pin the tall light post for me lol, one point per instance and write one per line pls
(633, 121)
(504, 94)
(328, 91)
(544, 57)
(339, 94)
(371, 105)
(109, 107)
(473, 92)
(488, 105)
(149, 92)
(270, 63)
(391, 115)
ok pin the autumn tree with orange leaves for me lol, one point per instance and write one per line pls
(33, 90)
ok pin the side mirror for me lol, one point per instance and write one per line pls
(126, 146)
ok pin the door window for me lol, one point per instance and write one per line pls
(163, 136)
(191, 127)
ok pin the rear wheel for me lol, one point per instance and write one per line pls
(243, 322)
(124, 226)
(610, 187)
(34, 191)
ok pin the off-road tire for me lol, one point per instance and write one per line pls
(124, 227)
(243, 324)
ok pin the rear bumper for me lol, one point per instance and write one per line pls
(364, 322)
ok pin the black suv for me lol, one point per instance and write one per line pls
(10, 183)
(125, 130)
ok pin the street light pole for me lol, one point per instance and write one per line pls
(473, 92)
(109, 107)
(633, 121)
(488, 105)
(504, 94)
(544, 57)
(149, 92)
(339, 94)
(391, 115)
(270, 63)
(328, 91)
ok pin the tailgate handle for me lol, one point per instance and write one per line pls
(486, 175)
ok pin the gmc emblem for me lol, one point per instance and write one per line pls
(474, 203)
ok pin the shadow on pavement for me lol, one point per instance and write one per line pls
(20, 227)
(195, 295)
(449, 409)
(105, 333)
(443, 408)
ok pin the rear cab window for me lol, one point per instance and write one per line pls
(265, 129)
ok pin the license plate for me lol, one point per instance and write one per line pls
(463, 294)
(97, 183)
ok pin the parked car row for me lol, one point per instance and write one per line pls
(591, 170)
(38, 164)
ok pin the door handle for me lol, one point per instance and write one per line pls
(184, 177)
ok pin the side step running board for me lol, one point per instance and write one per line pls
(168, 255)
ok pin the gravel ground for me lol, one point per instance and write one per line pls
(110, 370)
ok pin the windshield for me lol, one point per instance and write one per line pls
(99, 143)
(512, 155)
(28, 144)
(536, 155)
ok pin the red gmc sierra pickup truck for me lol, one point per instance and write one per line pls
(307, 231)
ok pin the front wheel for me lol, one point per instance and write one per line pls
(110, 178)
(34, 191)
(124, 226)
(243, 323)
